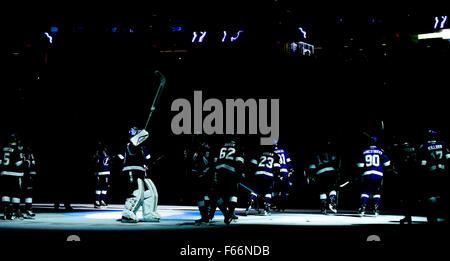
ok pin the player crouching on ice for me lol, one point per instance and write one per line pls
(142, 190)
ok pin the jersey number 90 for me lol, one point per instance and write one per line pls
(372, 160)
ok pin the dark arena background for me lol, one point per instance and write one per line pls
(80, 74)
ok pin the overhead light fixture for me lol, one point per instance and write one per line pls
(237, 36)
(50, 38)
(442, 34)
(200, 40)
(444, 19)
(436, 21)
(224, 36)
(303, 32)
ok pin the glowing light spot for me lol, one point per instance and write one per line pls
(200, 40)
(50, 38)
(443, 21)
(303, 32)
(436, 19)
(176, 28)
(237, 36)
(224, 36)
(195, 36)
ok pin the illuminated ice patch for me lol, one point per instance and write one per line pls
(118, 214)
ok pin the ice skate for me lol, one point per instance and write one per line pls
(267, 211)
(8, 214)
(406, 220)
(129, 217)
(323, 206)
(18, 215)
(128, 220)
(362, 210)
(227, 219)
(28, 214)
(332, 207)
(376, 210)
(202, 221)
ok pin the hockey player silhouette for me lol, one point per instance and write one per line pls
(142, 191)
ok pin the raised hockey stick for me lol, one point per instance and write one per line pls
(158, 94)
(367, 134)
(381, 128)
(157, 160)
(143, 135)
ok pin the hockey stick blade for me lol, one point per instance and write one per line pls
(252, 192)
(161, 77)
(158, 94)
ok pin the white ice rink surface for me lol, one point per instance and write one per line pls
(182, 217)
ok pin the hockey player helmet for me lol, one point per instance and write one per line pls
(13, 139)
(432, 134)
(133, 131)
(373, 140)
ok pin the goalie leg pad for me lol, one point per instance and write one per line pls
(147, 207)
(129, 217)
(133, 203)
(150, 202)
(151, 186)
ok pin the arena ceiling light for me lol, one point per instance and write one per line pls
(237, 36)
(303, 32)
(50, 38)
(443, 34)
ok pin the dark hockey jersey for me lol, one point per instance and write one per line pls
(29, 160)
(229, 158)
(404, 156)
(200, 160)
(373, 161)
(135, 157)
(102, 163)
(324, 163)
(12, 161)
(434, 155)
(285, 162)
(267, 163)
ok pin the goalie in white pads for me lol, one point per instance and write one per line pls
(142, 190)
